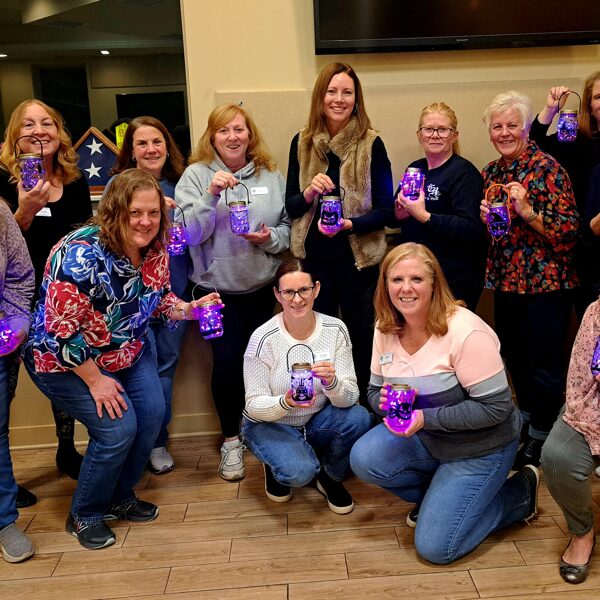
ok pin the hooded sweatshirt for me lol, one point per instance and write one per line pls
(220, 258)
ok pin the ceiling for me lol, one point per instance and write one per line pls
(34, 29)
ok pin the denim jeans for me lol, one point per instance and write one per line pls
(460, 501)
(8, 487)
(293, 453)
(118, 449)
(568, 464)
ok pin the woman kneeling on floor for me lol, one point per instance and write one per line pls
(301, 434)
(88, 349)
(452, 455)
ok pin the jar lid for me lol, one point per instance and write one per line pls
(304, 366)
(332, 198)
(30, 155)
(413, 170)
(237, 203)
(210, 303)
(401, 386)
(568, 112)
(497, 204)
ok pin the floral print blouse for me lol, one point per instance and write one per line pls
(95, 304)
(583, 391)
(525, 261)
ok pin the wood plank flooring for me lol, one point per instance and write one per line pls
(215, 539)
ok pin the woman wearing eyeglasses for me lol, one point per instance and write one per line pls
(445, 217)
(298, 441)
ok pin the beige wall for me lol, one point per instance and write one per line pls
(261, 51)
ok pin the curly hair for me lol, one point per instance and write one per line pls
(443, 304)
(64, 161)
(510, 100)
(257, 149)
(174, 164)
(112, 215)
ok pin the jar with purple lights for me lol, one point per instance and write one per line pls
(31, 165)
(238, 213)
(412, 182)
(210, 319)
(301, 383)
(595, 365)
(331, 213)
(177, 242)
(566, 127)
(400, 398)
(498, 218)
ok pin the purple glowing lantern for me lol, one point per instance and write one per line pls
(401, 398)
(331, 212)
(177, 242)
(498, 219)
(566, 127)
(31, 165)
(301, 384)
(210, 319)
(595, 366)
(238, 213)
(9, 340)
(412, 182)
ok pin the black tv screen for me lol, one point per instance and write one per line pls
(344, 26)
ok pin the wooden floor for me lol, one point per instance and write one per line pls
(215, 540)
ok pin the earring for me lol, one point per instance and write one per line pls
(133, 159)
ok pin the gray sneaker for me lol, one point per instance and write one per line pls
(160, 461)
(232, 461)
(16, 546)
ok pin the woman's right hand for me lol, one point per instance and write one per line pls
(106, 393)
(31, 202)
(384, 404)
(320, 184)
(288, 399)
(484, 211)
(221, 180)
(554, 102)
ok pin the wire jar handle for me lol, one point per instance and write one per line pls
(247, 193)
(287, 356)
(29, 136)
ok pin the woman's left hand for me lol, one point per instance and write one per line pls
(170, 202)
(258, 237)
(190, 307)
(519, 198)
(414, 208)
(417, 421)
(325, 371)
(346, 225)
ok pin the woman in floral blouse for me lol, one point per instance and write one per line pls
(530, 268)
(88, 352)
(573, 450)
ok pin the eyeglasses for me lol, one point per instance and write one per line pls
(443, 132)
(304, 292)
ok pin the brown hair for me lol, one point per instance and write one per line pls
(588, 124)
(64, 161)
(443, 109)
(443, 303)
(257, 151)
(316, 117)
(293, 265)
(173, 167)
(113, 211)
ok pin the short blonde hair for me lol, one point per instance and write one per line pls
(506, 101)
(257, 149)
(64, 161)
(443, 303)
(443, 109)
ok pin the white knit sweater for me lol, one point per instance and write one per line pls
(267, 378)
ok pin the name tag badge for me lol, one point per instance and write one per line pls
(262, 190)
(44, 212)
(319, 356)
(386, 359)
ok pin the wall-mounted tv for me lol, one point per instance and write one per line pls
(352, 26)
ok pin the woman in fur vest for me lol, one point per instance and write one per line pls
(338, 153)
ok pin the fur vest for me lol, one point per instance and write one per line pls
(355, 177)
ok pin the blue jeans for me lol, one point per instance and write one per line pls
(166, 344)
(8, 486)
(460, 501)
(290, 451)
(118, 449)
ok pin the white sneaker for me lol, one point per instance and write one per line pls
(597, 471)
(160, 461)
(232, 461)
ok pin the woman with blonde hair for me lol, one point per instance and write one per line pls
(231, 163)
(445, 217)
(454, 455)
(45, 214)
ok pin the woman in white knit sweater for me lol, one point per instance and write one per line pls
(300, 441)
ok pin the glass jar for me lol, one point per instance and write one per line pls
(401, 398)
(412, 182)
(302, 384)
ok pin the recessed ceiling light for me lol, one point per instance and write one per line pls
(105, 52)
(3, 55)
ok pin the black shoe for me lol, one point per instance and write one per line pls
(275, 491)
(338, 498)
(68, 460)
(25, 498)
(90, 535)
(137, 510)
(412, 516)
(533, 479)
(529, 454)
(575, 573)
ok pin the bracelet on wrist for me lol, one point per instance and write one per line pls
(532, 216)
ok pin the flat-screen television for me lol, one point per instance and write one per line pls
(344, 26)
